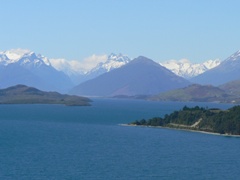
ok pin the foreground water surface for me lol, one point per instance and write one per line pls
(60, 142)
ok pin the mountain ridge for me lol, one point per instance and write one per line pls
(183, 68)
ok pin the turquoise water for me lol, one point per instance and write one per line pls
(59, 142)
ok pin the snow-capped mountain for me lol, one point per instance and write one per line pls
(113, 61)
(186, 69)
(23, 57)
(228, 70)
(20, 66)
(13, 55)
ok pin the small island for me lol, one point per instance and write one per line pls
(225, 122)
(21, 94)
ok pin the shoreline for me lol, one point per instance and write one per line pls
(190, 130)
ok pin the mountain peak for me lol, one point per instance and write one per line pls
(22, 56)
(36, 60)
(145, 61)
(118, 58)
(112, 55)
(114, 61)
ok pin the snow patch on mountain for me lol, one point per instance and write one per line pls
(15, 54)
(211, 63)
(45, 60)
(33, 60)
(186, 69)
(113, 61)
(24, 57)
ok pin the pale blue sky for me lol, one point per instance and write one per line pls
(159, 29)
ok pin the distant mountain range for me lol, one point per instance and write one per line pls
(183, 68)
(118, 75)
(141, 76)
(25, 67)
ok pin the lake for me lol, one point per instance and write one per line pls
(60, 142)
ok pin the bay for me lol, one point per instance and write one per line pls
(60, 142)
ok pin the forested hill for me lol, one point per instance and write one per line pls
(200, 119)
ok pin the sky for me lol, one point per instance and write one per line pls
(158, 29)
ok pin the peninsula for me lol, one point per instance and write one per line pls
(21, 94)
(199, 119)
